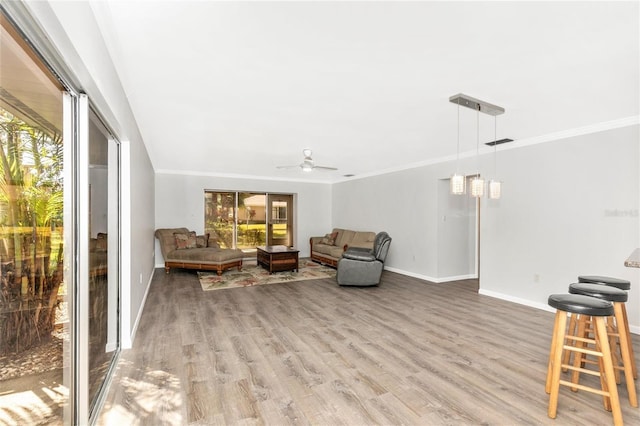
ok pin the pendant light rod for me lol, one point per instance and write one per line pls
(495, 136)
(476, 104)
(458, 145)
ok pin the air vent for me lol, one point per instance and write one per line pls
(499, 142)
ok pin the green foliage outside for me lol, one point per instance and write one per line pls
(221, 225)
(31, 232)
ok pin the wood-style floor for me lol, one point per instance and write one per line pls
(407, 352)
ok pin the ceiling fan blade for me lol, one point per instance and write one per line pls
(307, 164)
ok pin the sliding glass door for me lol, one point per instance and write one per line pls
(59, 241)
(245, 220)
(36, 289)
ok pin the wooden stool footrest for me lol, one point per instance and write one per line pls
(581, 370)
(584, 388)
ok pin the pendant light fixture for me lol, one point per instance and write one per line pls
(458, 182)
(477, 183)
(495, 186)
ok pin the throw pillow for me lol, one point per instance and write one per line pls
(329, 239)
(202, 240)
(185, 241)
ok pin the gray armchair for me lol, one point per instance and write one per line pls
(363, 267)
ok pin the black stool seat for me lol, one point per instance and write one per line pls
(601, 291)
(613, 282)
(580, 304)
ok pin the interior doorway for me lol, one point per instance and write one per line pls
(458, 235)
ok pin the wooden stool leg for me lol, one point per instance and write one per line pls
(606, 399)
(547, 385)
(612, 332)
(573, 323)
(578, 357)
(556, 350)
(633, 357)
(612, 389)
(626, 354)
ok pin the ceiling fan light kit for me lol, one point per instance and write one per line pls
(458, 181)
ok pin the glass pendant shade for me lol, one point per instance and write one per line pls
(495, 189)
(477, 187)
(457, 184)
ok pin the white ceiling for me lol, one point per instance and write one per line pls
(240, 88)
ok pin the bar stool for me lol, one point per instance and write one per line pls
(622, 285)
(598, 309)
(618, 298)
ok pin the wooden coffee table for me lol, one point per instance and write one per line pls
(278, 258)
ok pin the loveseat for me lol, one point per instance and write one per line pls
(328, 249)
(182, 248)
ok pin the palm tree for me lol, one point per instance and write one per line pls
(31, 208)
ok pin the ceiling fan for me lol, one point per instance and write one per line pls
(307, 164)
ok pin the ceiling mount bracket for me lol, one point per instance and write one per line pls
(476, 104)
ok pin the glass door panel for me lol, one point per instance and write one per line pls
(251, 221)
(35, 290)
(220, 217)
(103, 279)
(280, 219)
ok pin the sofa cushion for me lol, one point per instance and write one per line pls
(204, 255)
(363, 239)
(185, 240)
(344, 237)
(333, 251)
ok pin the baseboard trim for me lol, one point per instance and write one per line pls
(411, 274)
(127, 341)
(634, 329)
(428, 278)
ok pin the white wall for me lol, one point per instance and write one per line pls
(404, 204)
(71, 27)
(179, 202)
(569, 208)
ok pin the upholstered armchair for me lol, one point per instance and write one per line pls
(363, 267)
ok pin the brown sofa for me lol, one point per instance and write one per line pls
(182, 248)
(328, 249)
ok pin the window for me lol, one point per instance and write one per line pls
(245, 220)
